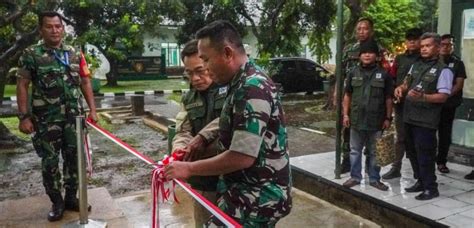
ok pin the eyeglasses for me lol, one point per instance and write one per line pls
(200, 73)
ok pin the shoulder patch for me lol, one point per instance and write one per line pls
(222, 90)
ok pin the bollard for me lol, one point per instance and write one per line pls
(171, 134)
(138, 105)
(81, 166)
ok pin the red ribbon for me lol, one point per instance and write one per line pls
(158, 188)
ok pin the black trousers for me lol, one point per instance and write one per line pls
(421, 145)
(445, 130)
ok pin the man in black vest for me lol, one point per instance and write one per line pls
(428, 87)
(399, 70)
(367, 111)
(201, 106)
(455, 99)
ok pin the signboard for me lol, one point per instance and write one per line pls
(468, 31)
(139, 68)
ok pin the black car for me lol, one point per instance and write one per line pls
(297, 74)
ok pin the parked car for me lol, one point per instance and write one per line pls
(297, 74)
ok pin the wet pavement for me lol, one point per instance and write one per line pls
(454, 207)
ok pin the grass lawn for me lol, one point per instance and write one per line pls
(12, 124)
(165, 84)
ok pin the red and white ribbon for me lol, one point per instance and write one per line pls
(158, 181)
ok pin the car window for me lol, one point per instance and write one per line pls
(288, 65)
(308, 66)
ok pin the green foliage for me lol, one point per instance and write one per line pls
(195, 14)
(321, 14)
(392, 18)
(12, 124)
(115, 27)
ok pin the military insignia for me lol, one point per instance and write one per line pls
(222, 90)
(433, 70)
(451, 65)
(378, 75)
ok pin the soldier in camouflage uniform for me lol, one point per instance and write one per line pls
(255, 183)
(364, 32)
(54, 70)
(201, 106)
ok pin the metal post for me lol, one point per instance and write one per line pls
(81, 166)
(171, 134)
(339, 85)
(81, 171)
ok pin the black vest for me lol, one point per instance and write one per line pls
(368, 98)
(404, 62)
(419, 113)
(454, 63)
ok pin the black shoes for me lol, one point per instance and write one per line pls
(350, 183)
(73, 205)
(57, 210)
(470, 176)
(427, 195)
(443, 168)
(379, 185)
(417, 187)
(392, 173)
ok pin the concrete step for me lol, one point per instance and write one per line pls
(32, 211)
(394, 208)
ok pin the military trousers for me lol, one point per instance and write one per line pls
(400, 140)
(421, 150)
(50, 140)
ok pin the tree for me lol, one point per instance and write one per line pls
(392, 19)
(320, 16)
(429, 14)
(191, 15)
(18, 30)
(277, 25)
(115, 27)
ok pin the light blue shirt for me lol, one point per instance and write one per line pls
(445, 81)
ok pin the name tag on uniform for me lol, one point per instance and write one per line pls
(451, 65)
(433, 70)
(378, 75)
(222, 90)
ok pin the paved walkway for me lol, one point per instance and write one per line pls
(454, 207)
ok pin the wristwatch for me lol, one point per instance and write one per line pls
(23, 116)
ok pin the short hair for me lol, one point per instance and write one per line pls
(436, 37)
(220, 32)
(44, 14)
(413, 34)
(368, 20)
(189, 49)
(448, 36)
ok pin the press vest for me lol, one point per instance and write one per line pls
(419, 113)
(202, 108)
(368, 98)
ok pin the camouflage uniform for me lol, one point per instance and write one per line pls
(199, 115)
(54, 106)
(252, 123)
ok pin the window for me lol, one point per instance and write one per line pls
(172, 54)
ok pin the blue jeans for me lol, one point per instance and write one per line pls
(359, 139)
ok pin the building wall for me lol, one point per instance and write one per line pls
(166, 42)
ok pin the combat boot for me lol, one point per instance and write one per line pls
(57, 209)
(71, 203)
